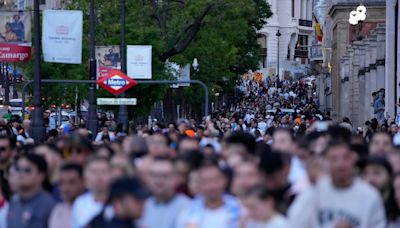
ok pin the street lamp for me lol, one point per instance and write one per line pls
(123, 109)
(92, 115)
(195, 64)
(38, 129)
(278, 34)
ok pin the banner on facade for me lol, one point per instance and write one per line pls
(62, 36)
(139, 62)
(15, 36)
(108, 58)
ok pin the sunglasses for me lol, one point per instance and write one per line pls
(25, 170)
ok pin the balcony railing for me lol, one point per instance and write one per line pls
(305, 23)
(263, 51)
(300, 53)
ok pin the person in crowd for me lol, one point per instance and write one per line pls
(188, 144)
(5, 195)
(71, 186)
(395, 222)
(340, 199)
(245, 175)
(105, 134)
(274, 169)
(377, 171)
(212, 207)
(97, 176)
(260, 205)
(381, 143)
(126, 200)
(162, 209)
(7, 151)
(31, 206)
(23, 133)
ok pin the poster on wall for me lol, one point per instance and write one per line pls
(139, 62)
(62, 36)
(108, 58)
(15, 36)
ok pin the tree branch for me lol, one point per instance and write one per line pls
(185, 37)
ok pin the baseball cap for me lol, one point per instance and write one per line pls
(128, 186)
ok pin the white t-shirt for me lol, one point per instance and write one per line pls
(278, 221)
(215, 218)
(324, 205)
(84, 209)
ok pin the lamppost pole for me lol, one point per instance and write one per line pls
(278, 34)
(38, 129)
(92, 115)
(123, 109)
(6, 86)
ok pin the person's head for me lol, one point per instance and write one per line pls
(127, 198)
(158, 145)
(163, 179)
(238, 145)
(274, 168)
(381, 143)
(188, 144)
(97, 175)
(51, 154)
(78, 148)
(32, 171)
(8, 27)
(121, 166)
(71, 182)
(104, 151)
(7, 149)
(282, 140)
(212, 181)
(377, 171)
(245, 175)
(134, 146)
(105, 130)
(396, 188)
(111, 50)
(16, 17)
(341, 161)
(259, 203)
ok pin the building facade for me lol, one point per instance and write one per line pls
(351, 52)
(293, 19)
(28, 4)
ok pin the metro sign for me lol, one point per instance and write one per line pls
(116, 82)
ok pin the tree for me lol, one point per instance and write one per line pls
(222, 34)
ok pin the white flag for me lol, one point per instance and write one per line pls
(62, 36)
(139, 65)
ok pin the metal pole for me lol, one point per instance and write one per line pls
(6, 87)
(38, 129)
(277, 74)
(92, 115)
(123, 109)
(15, 92)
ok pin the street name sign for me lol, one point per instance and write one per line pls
(116, 101)
(116, 82)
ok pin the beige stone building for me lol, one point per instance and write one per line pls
(28, 4)
(352, 51)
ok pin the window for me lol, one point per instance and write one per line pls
(293, 9)
(301, 50)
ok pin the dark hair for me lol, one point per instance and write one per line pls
(381, 133)
(260, 192)
(212, 163)
(379, 161)
(245, 139)
(11, 140)
(336, 143)
(36, 160)
(271, 162)
(72, 167)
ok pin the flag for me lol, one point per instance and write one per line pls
(318, 31)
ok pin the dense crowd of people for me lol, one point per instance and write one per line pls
(273, 160)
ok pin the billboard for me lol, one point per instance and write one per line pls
(139, 62)
(15, 36)
(108, 58)
(62, 36)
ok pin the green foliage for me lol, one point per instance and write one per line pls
(221, 34)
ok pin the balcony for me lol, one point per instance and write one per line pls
(301, 53)
(263, 51)
(305, 23)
